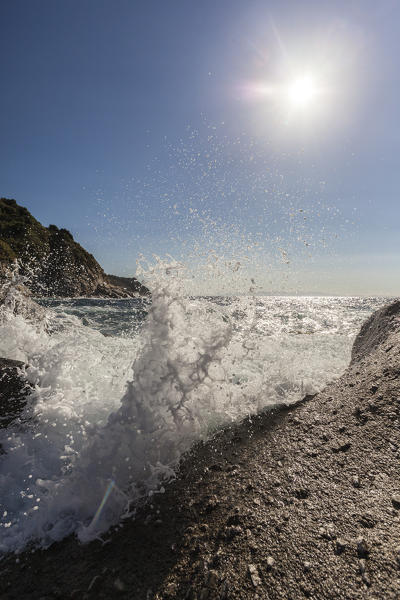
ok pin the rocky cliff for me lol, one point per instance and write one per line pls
(56, 265)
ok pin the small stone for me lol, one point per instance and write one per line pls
(396, 501)
(362, 548)
(341, 446)
(270, 562)
(328, 531)
(307, 565)
(340, 546)
(254, 576)
(356, 481)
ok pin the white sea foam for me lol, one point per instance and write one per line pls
(110, 417)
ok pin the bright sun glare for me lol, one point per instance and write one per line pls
(302, 91)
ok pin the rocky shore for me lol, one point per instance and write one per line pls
(299, 502)
(51, 262)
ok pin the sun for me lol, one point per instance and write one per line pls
(302, 91)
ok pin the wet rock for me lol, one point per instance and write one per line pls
(14, 390)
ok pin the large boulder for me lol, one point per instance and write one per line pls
(376, 331)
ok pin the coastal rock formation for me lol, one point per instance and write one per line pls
(16, 299)
(13, 391)
(299, 502)
(53, 262)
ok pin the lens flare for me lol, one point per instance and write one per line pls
(302, 91)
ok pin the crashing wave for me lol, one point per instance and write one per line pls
(110, 417)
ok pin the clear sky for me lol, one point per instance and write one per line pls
(262, 136)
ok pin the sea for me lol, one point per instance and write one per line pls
(121, 389)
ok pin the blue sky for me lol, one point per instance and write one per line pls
(140, 126)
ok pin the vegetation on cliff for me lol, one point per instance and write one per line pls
(56, 263)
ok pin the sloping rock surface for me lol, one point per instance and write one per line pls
(56, 265)
(301, 502)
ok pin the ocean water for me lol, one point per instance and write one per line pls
(123, 388)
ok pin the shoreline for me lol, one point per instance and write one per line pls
(300, 501)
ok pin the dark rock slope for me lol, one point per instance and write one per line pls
(301, 502)
(13, 391)
(55, 263)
